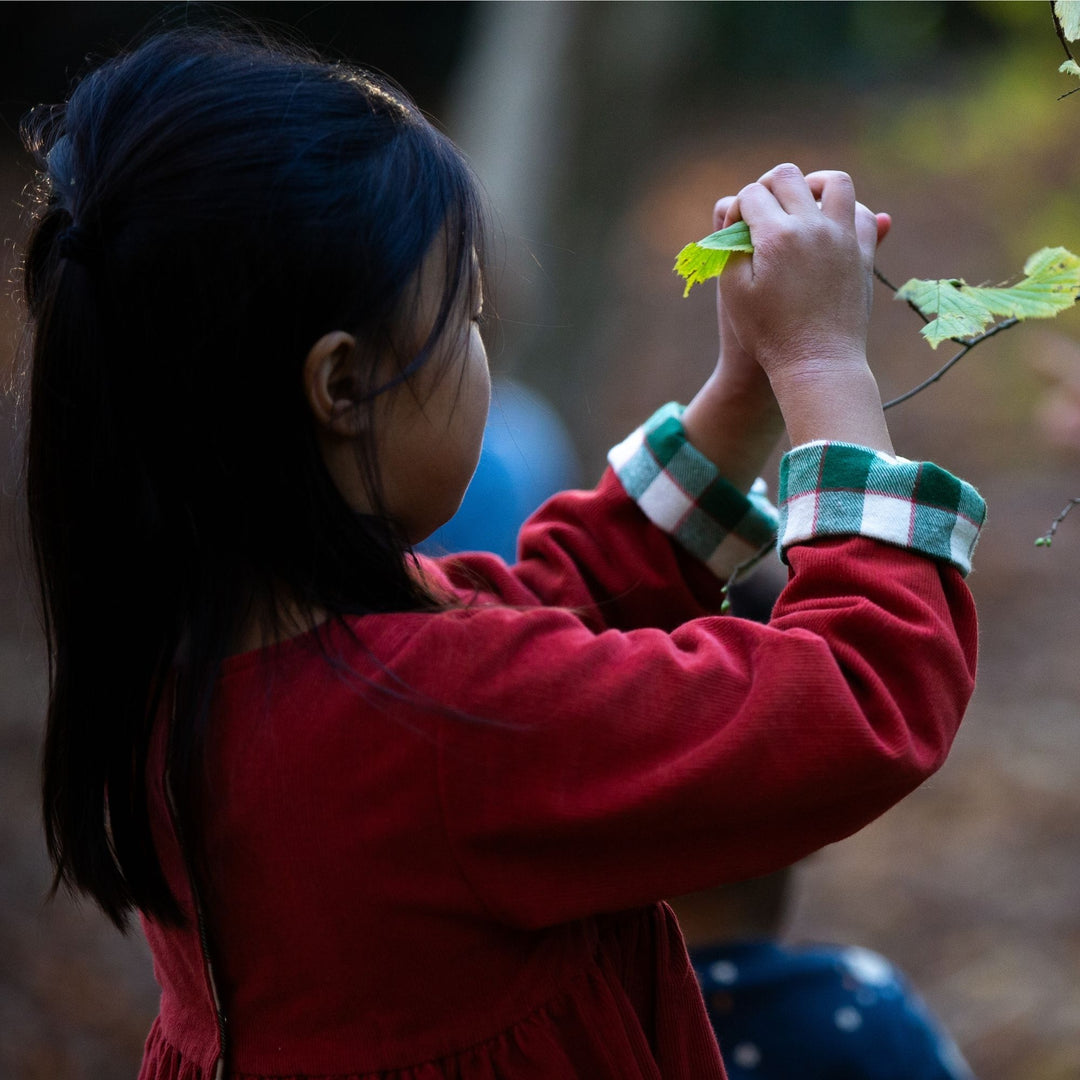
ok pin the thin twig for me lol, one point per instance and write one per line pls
(1048, 537)
(969, 344)
(886, 282)
(895, 289)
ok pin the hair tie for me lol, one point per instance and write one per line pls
(74, 244)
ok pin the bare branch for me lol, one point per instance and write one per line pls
(895, 288)
(968, 345)
(1048, 537)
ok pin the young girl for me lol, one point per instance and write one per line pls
(384, 816)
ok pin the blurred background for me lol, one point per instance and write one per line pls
(603, 133)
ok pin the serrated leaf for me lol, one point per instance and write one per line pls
(706, 258)
(957, 313)
(1070, 67)
(1068, 13)
(959, 310)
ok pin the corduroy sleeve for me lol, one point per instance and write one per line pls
(603, 771)
(610, 769)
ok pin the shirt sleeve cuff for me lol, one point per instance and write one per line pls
(680, 491)
(838, 489)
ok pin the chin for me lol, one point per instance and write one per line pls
(418, 533)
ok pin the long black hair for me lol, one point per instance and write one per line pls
(209, 205)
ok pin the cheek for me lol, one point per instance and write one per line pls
(483, 397)
(478, 388)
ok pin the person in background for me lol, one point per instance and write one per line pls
(812, 1011)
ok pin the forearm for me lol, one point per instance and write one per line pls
(736, 423)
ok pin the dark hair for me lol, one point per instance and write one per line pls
(210, 206)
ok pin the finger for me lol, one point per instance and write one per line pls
(789, 186)
(884, 226)
(871, 229)
(720, 212)
(866, 229)
(836, 193)
(757, 206)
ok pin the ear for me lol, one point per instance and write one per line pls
(331, 385)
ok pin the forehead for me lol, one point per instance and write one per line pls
(447, 276)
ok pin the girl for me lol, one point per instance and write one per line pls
(384, 816)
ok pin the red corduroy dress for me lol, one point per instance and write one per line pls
(443, 854)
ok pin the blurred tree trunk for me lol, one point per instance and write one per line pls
(555, 104)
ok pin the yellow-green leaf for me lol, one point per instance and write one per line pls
(706, 258)
(1068, 13)
(958, 310)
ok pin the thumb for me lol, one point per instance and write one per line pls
(884, 226)
(720, 212)
(870, 229)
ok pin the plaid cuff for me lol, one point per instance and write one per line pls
(680, 491)
(837, 489)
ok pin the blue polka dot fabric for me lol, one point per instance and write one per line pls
(820, 1013)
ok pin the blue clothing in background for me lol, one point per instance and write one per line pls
(527, 457)
(820, 1013)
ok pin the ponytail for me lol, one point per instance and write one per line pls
(208, 207)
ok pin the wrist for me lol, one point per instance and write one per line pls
(812, 357)
(837, 400)
(735, 422)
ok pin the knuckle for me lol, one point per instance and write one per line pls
(751, 189)
(785, 170)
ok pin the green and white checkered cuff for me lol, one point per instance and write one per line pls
(680, 490)
(837, 489)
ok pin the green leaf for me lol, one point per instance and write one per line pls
(707, 257)
(1068, 13)
(1070, 67)
(958, 310)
